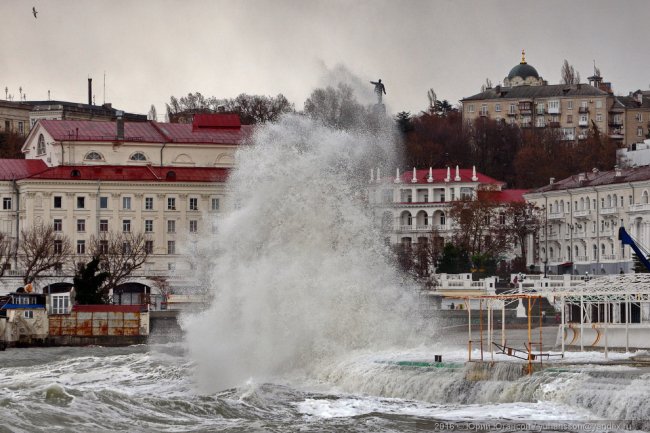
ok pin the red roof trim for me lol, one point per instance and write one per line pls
(109, 308)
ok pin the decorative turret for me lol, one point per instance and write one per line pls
(372, 177)
(414, 179)
(474, 178)
(430, 178)
(397, 179)
(448, 178)
(457, 177)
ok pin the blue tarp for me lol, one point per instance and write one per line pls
(23, 306)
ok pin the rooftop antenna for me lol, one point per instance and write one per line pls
(48, 96)
(6, 93)
(104, 102)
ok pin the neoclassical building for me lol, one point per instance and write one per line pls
(86, 178)
(412, 205)
(525, 99)
(583, 215)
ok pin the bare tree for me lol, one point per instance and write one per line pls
(486, 85)
(41, 249)
(5, 252)
(431, 95)
(568, 74)
(521, 220)
(120, 253)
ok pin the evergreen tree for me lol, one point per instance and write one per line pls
(88, 283)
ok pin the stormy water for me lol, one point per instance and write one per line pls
(307, 328)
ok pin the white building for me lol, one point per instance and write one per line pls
(412, 205)
(583, 215)
(86, 178)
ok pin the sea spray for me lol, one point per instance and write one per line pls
(301, 273)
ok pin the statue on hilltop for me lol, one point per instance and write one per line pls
(379, 90)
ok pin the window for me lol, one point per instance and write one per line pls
(443, 221)
(81, 247)
(28, 314)
(126, 248)
(484, 109)
(569, 118)
(639, 131)
(599, 117)
(58, 246)
(40, 147)
(148, 203)
(58, 225)
(58, 202)
(81, 225)
(6, 203)
(60, 304)
(194, 226)
(387, 197)
(148, 247)
(171, 203)
(569, 105)
(103, 247)
(103, 202)
(21, 128)
(639, 117)
(148, 226)
(512, 109)
(81, 202)
(93, 156)
(194, 203)
(466, 193)
(138, 156)
(171, 247)
(554, 106)
(497, 107)
(215, 203)
(126, 203)
(103, 225)
(171, 266)
(470, 108)
(171, 226)
(126, 225)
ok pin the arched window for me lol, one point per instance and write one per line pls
(93, 156)
(609, 200)
(443, 219)
(587, 203)
(387, 221)
(406, 218)
(551, 253)
(577, 252)
(602, 249)
(582, 203)
(644, 197)
(568, 253)
(40, 148)
(138, 156)
(595, 250)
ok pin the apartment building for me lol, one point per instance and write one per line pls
(583, 215)
(525, 99)
(88, 178)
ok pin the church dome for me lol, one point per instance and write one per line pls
(523, 70)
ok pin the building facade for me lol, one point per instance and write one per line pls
(413, 206)
(88, 178)
(528, 101)
(583, 214)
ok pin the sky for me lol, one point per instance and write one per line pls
(146, 50)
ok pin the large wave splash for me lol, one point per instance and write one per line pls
(301, 273)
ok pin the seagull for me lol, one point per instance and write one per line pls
(34, 11)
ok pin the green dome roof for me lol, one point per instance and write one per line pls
(523, 70)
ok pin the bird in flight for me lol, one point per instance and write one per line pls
(34, 11)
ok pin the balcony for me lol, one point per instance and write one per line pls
(483, 113)
(541, 124)
(405, 228)
(582, 259)
(512, 113)
(615, 123)
(554, 110)
(554, 124)
(556, 215)
(583, 123)
(639, 207)
(583, 110)
(582, 213)
(609, 211)
(608, 257)
(422, 228)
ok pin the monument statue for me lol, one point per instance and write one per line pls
(379, 89)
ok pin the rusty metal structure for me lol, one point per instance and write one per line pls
(101, 321)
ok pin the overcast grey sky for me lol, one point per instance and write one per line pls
(153, 49)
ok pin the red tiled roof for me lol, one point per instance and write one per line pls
(202, 120)
(439, 175)
(506, 195)
(11, 169)
(144, 173)
(109, 308)
(146, 132)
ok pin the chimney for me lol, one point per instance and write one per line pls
(90, 91)
(617, 171)
(551, 181)
(582, 177)
(120, 125)
(639, 98)
(221, 108)
(595, 170)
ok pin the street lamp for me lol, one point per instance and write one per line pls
(545, 262)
